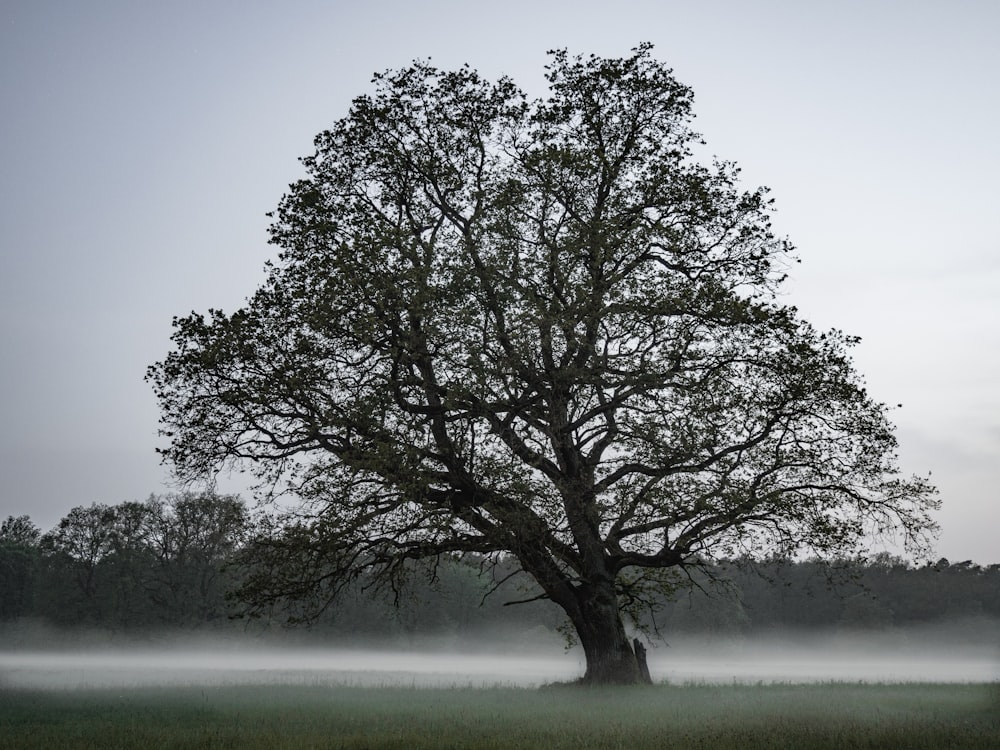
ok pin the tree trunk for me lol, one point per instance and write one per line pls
(611, 659)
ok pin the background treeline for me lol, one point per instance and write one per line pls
(169, 562)
(159, 563)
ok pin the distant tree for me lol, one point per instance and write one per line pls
(128, 570)
(18, 566)
(191, 538)
(20, 531)
(74, 551)
(537, 329)
(96, 567)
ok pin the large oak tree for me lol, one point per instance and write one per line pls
(535, 329)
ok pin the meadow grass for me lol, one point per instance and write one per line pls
(833, 715)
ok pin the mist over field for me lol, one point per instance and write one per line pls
(962, 652)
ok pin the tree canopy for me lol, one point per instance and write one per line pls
(543, 329)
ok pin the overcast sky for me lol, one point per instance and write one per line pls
(142, 143)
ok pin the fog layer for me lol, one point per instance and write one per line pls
(915, 656)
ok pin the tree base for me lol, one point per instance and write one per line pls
(622, 673)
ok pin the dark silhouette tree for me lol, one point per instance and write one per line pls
(540, 329)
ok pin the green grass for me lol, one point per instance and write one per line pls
(317, 716)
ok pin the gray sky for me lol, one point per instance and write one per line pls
(141, 144)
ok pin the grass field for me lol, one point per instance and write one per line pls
(834, 715)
